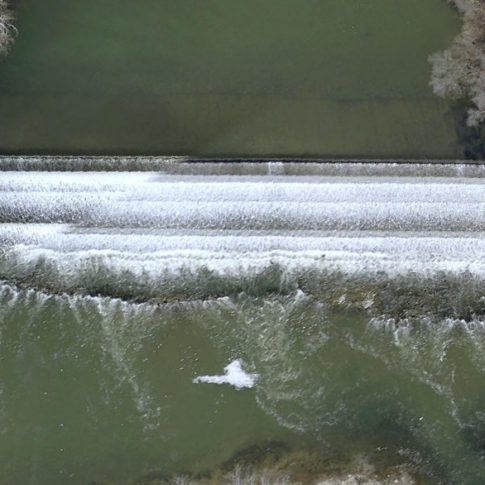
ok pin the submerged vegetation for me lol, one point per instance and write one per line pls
(7, 29)
(274, 464)
(459, 71)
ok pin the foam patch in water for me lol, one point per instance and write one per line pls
(234, 375)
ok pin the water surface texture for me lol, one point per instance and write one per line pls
(350, 296)
(311, 78)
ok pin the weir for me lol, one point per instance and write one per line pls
(246, 166)
(350, 296)
(191, 230)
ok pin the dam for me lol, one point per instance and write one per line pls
(351, 295)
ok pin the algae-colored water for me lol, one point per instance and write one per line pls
(100, 391)
(312, 78)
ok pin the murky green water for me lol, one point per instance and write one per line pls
(97, 389)
(331, 78)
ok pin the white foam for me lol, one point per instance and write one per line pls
(152, 200)
(159, 226)
(234, 375)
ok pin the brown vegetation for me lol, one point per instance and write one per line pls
(263, 467)
(7, 29)
(459, 72)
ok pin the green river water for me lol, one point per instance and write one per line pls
(100, 391)
(229, 78)
(353, 294)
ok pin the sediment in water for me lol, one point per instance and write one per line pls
(276, 464)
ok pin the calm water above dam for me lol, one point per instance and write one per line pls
(354, 296)
(312, 78)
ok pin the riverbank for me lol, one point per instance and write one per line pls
(7, 29)
(458, 74)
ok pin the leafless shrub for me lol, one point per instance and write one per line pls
(459, 71)
(7, 29)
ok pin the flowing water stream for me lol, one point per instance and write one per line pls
(349, 298)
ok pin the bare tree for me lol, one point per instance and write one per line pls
(459, 71)
(7, 29)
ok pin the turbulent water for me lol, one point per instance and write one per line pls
(351, 297)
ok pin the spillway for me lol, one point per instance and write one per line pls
(355, 292)
(169, 235)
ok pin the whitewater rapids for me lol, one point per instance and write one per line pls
(198, 232)
(121, 292)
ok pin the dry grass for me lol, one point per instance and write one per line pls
(7, 29)
(459, 72)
